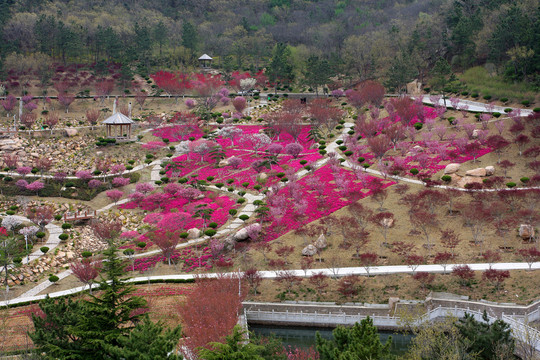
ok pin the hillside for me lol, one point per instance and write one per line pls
(358, 39)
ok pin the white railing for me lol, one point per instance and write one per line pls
(520, 330)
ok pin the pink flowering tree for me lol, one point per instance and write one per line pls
(120, 181)
(114, 195)
(35, 186)
(294, 149)
(144, 188)
(239, 103)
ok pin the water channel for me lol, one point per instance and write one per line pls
(304, 337)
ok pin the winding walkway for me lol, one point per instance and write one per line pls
(249, 209)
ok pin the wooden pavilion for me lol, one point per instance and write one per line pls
(118, 126)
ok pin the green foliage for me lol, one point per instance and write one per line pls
(53, 278)
(360, 342)
(63, 236)
(485, 339)
(44, 249)
(234, 348)
(102, 326)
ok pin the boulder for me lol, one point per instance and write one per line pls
(229, 243)
(478, 172)
(490, 170)
(193, 233)
(475, 134)
(241, 234)
(309, 250)
(526, 231)
(468, 180)
(71, 132)
(452, 168)
(262, 176)
(414, 87)
(321, 242)
(387, 223)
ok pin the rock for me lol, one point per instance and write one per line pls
(223, 163)
(262, 176)
(387, 223)
(468, 180)
(70, 255)
(526, 231)
(490, 170)
(414, 87)
(229, 243)
(71, 132)
(193, 233)
(61, 254)
(478, 172)
(452, 168)
(241, 234)
(321, 242)
(309, 250)
(475, 134)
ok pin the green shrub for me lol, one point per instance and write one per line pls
(258, 202)
(210, 178)
(361, 159)
(86, 254)
(66, 226)
(165, 179)
(303, 162)
(366, 165)
(350, 132)
(536, 109)
(241, 201)
(418, 126)
(230, 189)
(414, 171)
(40, 234)
(230, 181)
(342, 147)
(14, 207)
(233, 212)
(339, 142)
(474, 95)
(284, 180)
(487, 97)
(149, 156)
(158, 182)
(511, 184)
(322, 152)
(524, 179)
(63, 236)
(322, 147)
(507, 110)
(525, 103)
(213, 225)
(446, 178)
(141, 244)
(220, 185)
(496, 114)
(464, 93)
(44, 249)
(257, 187)
(504, 99)
(10, 212)
(245, 184)
(243, 217)
(241, 193)
(280, 174)
(184, 235)
(210, 232)
(53, 278)
(348, 153)
(182, 180)
(17, 261)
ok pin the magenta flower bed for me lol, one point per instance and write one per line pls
(331, 200)
(173, 133)
(244, 173)
(171, 209)
(189, 258)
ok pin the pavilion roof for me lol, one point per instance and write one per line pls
(118, 119)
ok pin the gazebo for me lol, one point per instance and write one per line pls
(117, 125)
(205, 61)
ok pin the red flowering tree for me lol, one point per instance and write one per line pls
(173, 84)
(464, 274)
(166, 241)
(496, 277)
(86, 270)
(529, 255)
(210, 310)
(424, 278)
(104, 88)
